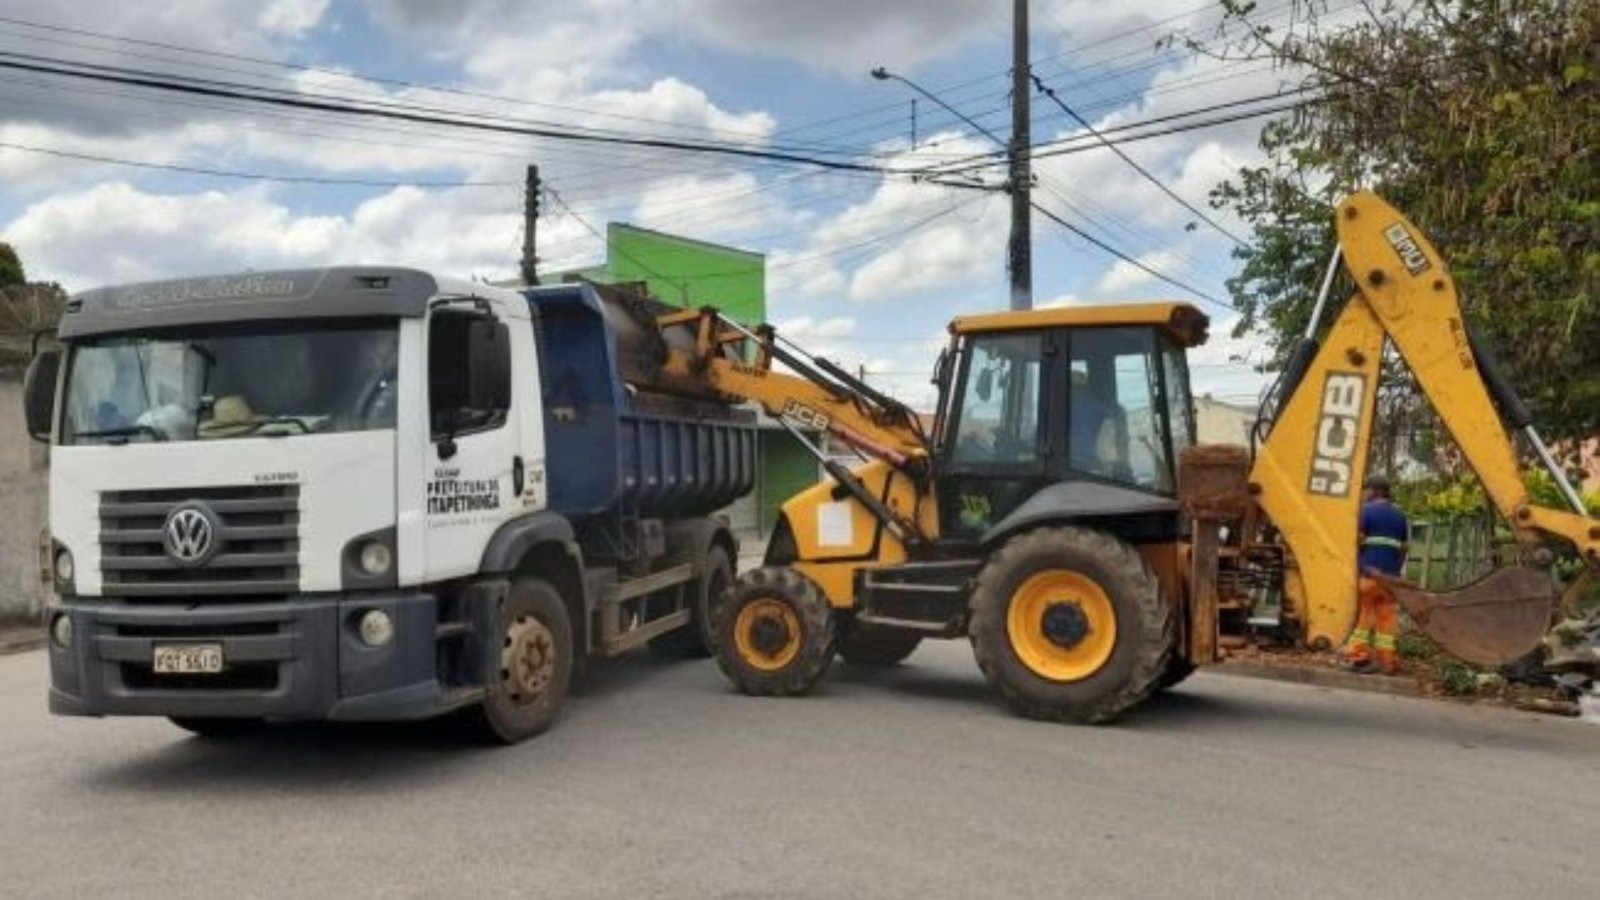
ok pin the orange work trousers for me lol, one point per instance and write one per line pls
(1377, 626)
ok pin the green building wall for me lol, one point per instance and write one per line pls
(690, 273)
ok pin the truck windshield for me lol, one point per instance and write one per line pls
(216, 383)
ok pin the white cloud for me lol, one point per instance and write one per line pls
(291, 18)
(1124, 275)
(115, 232)
(804, 329)
(844, 35)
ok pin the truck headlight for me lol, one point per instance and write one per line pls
(61, 630)
(376, 628)
(63, 566)
(376, 558)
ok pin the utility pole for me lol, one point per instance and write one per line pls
(1020, 252)
(530, 223)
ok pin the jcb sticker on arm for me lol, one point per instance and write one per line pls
(804, 416)
(1338, 438)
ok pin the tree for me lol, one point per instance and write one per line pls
(26, 308)
(1481, 120)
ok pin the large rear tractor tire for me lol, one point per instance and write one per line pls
(775, 634)
(874, 645)
(1069, 624)
(532, 665)
(711, 590)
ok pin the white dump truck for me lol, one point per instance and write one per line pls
(370, 493)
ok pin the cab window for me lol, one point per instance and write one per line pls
(998, 415)
(1116, 408)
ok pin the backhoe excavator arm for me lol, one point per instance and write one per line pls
(1309, 471)
(817, 396)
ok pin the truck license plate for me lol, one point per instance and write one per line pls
(188, 659)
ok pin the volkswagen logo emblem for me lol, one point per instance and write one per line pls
(190, 534)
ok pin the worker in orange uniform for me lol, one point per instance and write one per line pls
(1383, 535)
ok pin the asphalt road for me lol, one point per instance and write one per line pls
(908, 783)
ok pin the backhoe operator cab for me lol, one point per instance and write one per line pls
(1092, 409)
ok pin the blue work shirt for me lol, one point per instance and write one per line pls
(1384, 533)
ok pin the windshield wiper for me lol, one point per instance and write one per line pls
(124, 432)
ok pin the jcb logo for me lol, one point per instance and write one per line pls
(1411, 255)
(804, 416)
(1338, 434)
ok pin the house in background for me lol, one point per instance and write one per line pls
(1220, 422)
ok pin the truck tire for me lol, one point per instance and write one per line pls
(694, 641)
(864, 644)
(775, 634)
(217, 729)
(1069, 624)
(532, 664)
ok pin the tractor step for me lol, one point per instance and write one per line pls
(928, 597)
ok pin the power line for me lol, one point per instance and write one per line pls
(251, 176)
(245, 92)
(1143, 267)
(1050, 92)
(1077, 143)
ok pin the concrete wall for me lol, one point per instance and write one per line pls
(22, 507)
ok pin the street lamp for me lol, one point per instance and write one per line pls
(883, 74)
(1019, 248)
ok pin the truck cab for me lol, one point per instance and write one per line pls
(325, 493)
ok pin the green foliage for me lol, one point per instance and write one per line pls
(11, 273)
(1415, 647)
(1480, 120)
(1458, 679)
(25, 308)
(1442, 497)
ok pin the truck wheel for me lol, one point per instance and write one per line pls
(694, 641)
(874, 645)
(528, 677)
(1069, 624)
(217, 729)
(775, 634)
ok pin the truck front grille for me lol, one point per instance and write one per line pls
(257, 543)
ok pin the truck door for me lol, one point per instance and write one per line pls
(476, 461)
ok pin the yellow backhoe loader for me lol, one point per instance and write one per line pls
(1060, 517)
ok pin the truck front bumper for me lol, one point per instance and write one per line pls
(301, 658)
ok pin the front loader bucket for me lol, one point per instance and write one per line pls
(1493, 621)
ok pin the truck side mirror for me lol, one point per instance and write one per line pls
(39, 393)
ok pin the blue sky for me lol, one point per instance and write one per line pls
(865, 268)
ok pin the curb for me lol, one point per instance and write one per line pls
(1392, 685)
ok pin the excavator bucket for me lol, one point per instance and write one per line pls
(1493, 621)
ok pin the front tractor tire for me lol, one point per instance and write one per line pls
(1069, 624)
(530, 665)
(775, 634)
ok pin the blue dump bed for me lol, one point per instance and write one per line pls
(615, 444)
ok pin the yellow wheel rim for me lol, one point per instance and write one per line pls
(767, 634)
(1061, 625)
